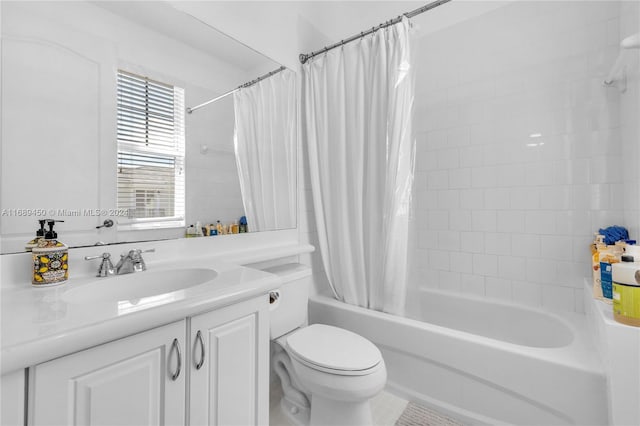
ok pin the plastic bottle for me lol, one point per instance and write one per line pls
(219, 228)
(50, 259)
(633, 250)
(39, 236)
(191, 232)
(626, 291)
(597, 246)
(608, 257)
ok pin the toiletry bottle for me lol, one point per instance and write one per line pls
(634, 251)
(219, 228)
(597, 246)
(199, 232)
(39, 236)
(243, 225)
(235, 228)
(50, 259)
(213, 230)
(626, 291)
(608, 257)
(191, 232)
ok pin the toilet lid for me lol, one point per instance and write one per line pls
(333, 348)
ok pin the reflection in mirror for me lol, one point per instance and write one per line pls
(94, 125)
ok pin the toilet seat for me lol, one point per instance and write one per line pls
(333, 350)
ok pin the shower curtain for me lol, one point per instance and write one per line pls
(265, 147)
(358, 119)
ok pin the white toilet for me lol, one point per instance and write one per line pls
(328, 374)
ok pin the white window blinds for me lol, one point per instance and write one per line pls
(151, 146)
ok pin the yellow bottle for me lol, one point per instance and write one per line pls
(597, 246)
(626, 291)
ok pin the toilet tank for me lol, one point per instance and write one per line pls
(289, 311)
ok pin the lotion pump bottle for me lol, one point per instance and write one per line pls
(39, 236)
(50, 259)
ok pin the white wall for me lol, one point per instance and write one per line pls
(500, 212)
(58, 140)
(281, 31)
(494, 216)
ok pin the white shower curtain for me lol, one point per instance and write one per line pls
(265, 146)
(358, 117)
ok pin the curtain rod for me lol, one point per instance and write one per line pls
(305, 57)
(242, 86)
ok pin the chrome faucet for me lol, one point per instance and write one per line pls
(132, 262)
(106, 267)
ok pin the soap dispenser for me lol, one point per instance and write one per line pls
(39, 236)
(50, 259)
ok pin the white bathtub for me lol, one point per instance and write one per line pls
(483, 361)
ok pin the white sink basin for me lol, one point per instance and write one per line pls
(138, 285)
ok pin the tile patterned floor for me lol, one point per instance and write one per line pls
(386, 409)
(417, 415)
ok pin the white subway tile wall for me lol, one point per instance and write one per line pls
(521, 152)
(630, 123)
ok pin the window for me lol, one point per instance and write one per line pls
(151, 146)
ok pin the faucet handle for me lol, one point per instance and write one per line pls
(138, 252)
(96, 257)
(106, 267)
(141, 266)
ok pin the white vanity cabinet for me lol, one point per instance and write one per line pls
(137, 380)
(12, 398)
(229, 368)
(208, 369)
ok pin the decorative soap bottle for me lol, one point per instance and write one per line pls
(50, 259)
(39, 236)
(243, 225)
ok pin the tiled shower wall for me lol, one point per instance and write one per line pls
(519, 151)
(630, 119)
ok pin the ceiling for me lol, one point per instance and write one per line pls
(340, 19)
(333, 19)
(163, 18)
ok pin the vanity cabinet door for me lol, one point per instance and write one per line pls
(229, 365)
(12, 386)
(131, 381)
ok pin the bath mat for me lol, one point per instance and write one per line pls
(417, 415)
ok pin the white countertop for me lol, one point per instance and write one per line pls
(40, 324)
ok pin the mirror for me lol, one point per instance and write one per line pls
(60, 120)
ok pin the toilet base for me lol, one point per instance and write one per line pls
(298, 416)
(330, 412)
